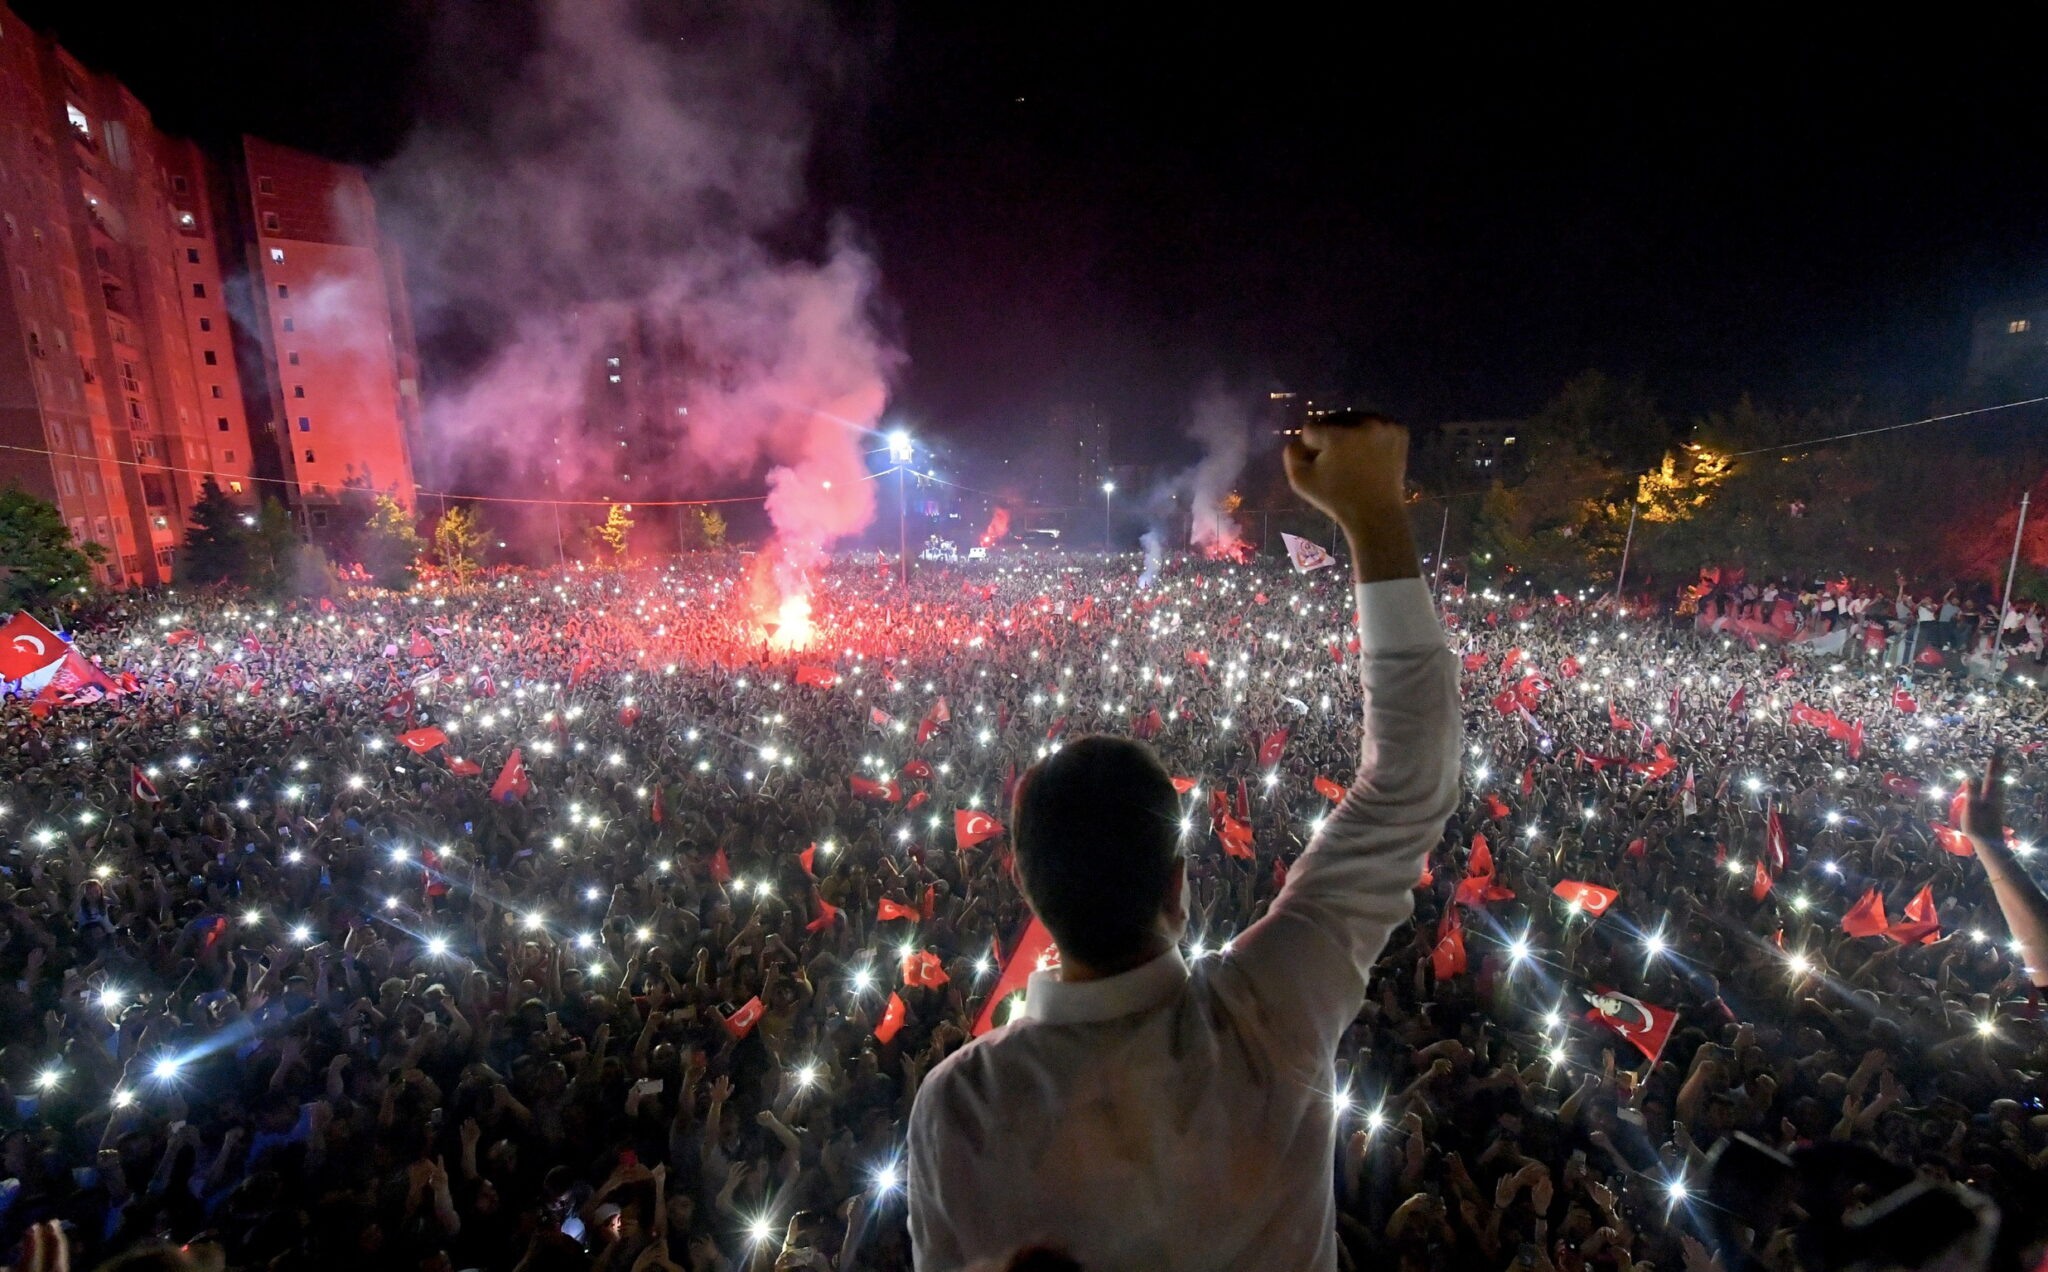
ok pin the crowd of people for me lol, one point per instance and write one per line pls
(592, 921)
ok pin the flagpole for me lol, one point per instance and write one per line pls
(1628, 542)
(561, 558)
(1436, 577)
(2005, 604)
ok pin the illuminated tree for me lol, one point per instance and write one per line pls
(711, 527)
(390, 545)
(39, 563)
(612, 532)
(457, 536)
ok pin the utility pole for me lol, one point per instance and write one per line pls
(2011, 567)
(1108, 534)
(561, 557)
(1628, 541)
(902, 526)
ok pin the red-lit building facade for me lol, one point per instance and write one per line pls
(171, 314)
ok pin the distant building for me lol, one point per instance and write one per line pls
(1482, 446)
(2009, 348)
(129, 374)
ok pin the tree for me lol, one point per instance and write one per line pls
(457, 536)
(1614, 419)
(711, 527)
(390, 545)
(269, 548)
(614, 529)
(39, 562)
(216, 543)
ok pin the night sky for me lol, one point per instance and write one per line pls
(1446, 223)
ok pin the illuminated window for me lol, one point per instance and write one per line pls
(2018, 327)
(78, 119)
(235, 486)
(186, 220)
(611, 362)
(277, 256)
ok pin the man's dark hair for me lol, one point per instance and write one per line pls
(1097, 829)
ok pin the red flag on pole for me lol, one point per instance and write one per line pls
(470, 768)
(816, 676)
(656, 810)
(1644, 1024)
(1590, 897)
(888, 910)
(826, 913)
(807, 859)
(1447, 957)
(1921, 925)
(720, 866)
(1035, 952)
(1182, 785)
(1236, 836)
(421, 741)
(512, 779)
(923, 970)
(972, 826)
(1271, 747)
(141, 787)
(1741, 699)
(1866, 917)
(27, 647)
(892, 1020)
(1328, 789)
(742, 1022)
(1774, 842)
(1760, 887)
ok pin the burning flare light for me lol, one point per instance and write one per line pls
(793, 626)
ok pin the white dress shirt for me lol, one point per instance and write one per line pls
(1177, 1118)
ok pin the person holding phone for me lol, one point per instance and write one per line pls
(1145, 1114)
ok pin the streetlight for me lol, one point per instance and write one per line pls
(901, 453)
(1108, 489)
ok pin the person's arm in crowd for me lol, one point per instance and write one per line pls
(225, 1162)
(2020, 899)
(1316, 947)
(720, 1091)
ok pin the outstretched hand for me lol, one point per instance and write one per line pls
(1350, 471)
(1984, 803)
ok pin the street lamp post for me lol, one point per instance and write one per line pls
(901, 451)
(1108, 535)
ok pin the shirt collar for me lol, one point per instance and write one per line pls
(1053, 1001)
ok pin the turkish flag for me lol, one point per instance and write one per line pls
(1866, 917)
(512, 779)
(892, 1021)
(1272, 746)
(1241, 805)
(1928, 658)
(720, 866)
(1328, 789)
(27, 647)
(398, 706)
(816, 676)
(826, 913)
(183, 636)
(1148, 726)
(867, 789)
(421, 741)
(880, 718)
(940, 712)
(140, 786)
(1590, 897)
(1475, 662)
(894, 910)
(1903, 702)
(1568, 668)
(1736, 703)
(1494, 808)
(742, 1022)
(1921, 925)
(419, 647)
(1760, 887)
(581, 669)
(918, 800)
(922, 970)
(1774, 842)
(1954, 841)
(1901, 786)
(1182, 785)
(1644, 1024)
(1236, 837)
(470, 768)
(1506, 702)
(1447, 957)
(1035, 952)
(1508, 660)
(1617, 719)
(1199, 658)
(629, 716)
(807, 858)
(1480, 862)
(925, 728)
(971, 826)
(919, 770)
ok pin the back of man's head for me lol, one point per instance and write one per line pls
(1097, 830)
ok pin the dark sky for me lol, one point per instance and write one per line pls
(1443, 222)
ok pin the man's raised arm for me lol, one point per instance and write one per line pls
(1314, 949)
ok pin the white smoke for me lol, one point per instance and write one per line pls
(1223, 427)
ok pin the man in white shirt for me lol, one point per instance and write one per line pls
(1145, 1114)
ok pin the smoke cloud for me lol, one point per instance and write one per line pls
(628, 189)
(1223, 427)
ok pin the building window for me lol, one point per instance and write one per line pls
(305, 423)
(298, 390)
(319, 514)
(292, 357)
(227, 457)
(177, 185)
(192, 255)
(2018, 327)
(216, 391)
(277, 256)
(128, 380)
(284, 291)
(222, 423)
(134, 409)
(263, 186)
(288, 325)
(199, 291)
(270, 221)
(92, 484)
(309, 457)
(65, 484)
(235, 486)
(78, 119)
(212, 358)
(186, 221)
(206, 324)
